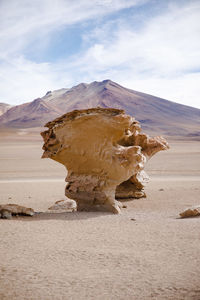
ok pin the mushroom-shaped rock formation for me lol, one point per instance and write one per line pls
(103, 152)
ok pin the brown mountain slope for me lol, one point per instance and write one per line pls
(156, 115)
(4, 107)
(31, 114)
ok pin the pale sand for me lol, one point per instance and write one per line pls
(99, 255)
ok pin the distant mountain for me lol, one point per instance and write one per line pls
(32, 114)
(157, 116)
(4, 107)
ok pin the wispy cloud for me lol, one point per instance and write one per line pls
(157, 54)
(22, 20)
(161, 58)
(22, 80)
(29, 25)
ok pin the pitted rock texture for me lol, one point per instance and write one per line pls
(9, 210)
(101, 149)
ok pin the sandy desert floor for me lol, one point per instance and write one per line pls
(147, 252)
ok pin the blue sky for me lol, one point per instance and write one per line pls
(152, 46)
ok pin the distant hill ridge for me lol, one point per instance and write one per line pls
(4, 107)
(156, 115)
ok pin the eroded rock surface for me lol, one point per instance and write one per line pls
(8, 210)
(104, 153)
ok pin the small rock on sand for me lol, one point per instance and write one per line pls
(63, 206)
(8, 210)
(191, 212)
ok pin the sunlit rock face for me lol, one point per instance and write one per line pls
(104, 153)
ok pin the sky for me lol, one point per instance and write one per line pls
(151, 46)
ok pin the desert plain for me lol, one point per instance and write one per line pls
(146, 252)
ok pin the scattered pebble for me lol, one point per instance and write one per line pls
(161, 190)
(132, 219)
(63, 206)
(190, 212)
(7, 210)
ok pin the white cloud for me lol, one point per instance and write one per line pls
(21, 20)
(160, 56)
(22, 80)
(24, 22)
(167, 43)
